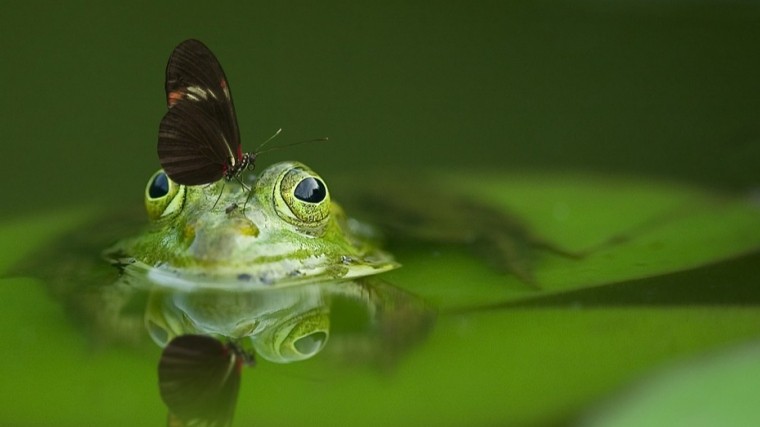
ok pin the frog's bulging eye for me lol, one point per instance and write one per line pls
(303, 199)
(163, 197)
(310, 190)
(159, 186)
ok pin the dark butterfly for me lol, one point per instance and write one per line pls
(198, 139)
(199, 379)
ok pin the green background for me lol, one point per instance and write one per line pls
(657, 88)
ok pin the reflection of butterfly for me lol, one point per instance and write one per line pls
(199, 379)
(198, 139)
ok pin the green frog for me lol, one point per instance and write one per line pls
(281, 227)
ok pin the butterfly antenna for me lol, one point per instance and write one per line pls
(258, 149)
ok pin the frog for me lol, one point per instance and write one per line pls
(281, 228)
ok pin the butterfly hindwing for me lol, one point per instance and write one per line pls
(186, 147)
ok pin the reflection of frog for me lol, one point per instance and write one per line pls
(292, 323)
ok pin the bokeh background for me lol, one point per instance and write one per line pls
(661, 88)
(662, 91)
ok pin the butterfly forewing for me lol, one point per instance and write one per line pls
(199, 140)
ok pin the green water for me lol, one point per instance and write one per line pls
(661, 90)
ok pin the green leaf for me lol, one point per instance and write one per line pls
(627, 228)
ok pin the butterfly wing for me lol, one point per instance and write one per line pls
(198, 138)
(191, 147)
(199, 379)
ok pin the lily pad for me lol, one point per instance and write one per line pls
(623, 229)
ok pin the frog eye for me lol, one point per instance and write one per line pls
(310, 190)
(158, 186)
(163, 197)
(303, 198)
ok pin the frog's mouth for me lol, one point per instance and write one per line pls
(237, 253)
(272, 273)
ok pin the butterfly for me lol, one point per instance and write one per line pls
(199, 379)
(198, 138)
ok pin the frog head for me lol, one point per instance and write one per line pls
(280, 227)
